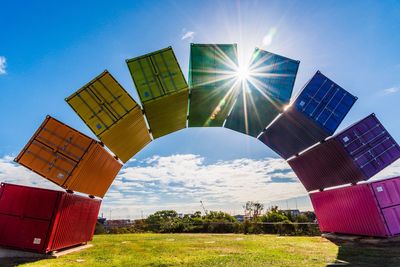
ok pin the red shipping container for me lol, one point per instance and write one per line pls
(43, 220)
(370, 209)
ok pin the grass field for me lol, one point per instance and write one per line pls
(219, 250)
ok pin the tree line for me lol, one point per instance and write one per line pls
(274, 221)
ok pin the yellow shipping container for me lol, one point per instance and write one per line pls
(163, 90)
(112, 115)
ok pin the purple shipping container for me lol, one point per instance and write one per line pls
(313, 116)
(326, 165)
(355, 154)
(369, 144)
(370, 209)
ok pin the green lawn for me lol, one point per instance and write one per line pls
(218, 250)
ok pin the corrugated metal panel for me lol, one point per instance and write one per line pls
(326, 165)
(65, 219)
(314, 115)
(213, 83)
(392, 218)
(112, 115)
(167, 114)
(387, 192)
(128, 136)
(370, 145)
(67, 157)
(163, 90)
(157, 74)
(95, 172)
(25, 216)
(349, 210)
(265, 94)
(76, 221)
(101, 102)
(291, 133)
(324, 102)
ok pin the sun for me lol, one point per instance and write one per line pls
(243, 73)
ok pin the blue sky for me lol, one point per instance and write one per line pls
(48, 51)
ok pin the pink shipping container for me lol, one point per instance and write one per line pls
(43, 220)
(370, 209)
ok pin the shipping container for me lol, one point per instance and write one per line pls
(291, 133)
(313, 116)
(332, 163)
(326, 165)
(43, 220)
(213, 81)
(370, 145)
(163, 90)
(361, 209)
(265, 94)
(69, 158)
(112, 115)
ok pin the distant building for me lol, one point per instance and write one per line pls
(239, 217)
(293, 213)
(118, 223)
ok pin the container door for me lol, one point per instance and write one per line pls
(163, 90)
(213, 83)
(392, 218)
(387, 192)
(23, 233)
(370, 145)
(324, 102)
(55, 151)
(264, 95)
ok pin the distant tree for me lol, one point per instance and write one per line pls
(253, 209)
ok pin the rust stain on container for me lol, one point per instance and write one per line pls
(69, 158)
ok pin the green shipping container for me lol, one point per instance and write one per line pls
(213, 83)
(265, 94)
(163, 90)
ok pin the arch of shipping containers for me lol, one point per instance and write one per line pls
(301, 131)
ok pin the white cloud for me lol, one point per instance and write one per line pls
(187, 35)
(180, 181)
(3, 65)
(391, 90)
(14, 173)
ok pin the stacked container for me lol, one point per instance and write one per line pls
(44, 220)
(69, 159)
(315, 114)
(370, 209)
(355, 154)
(213, 83)
(162, 89)
(266, 93)
(112, 115)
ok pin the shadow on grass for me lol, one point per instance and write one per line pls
(11, 262)
(387, 255)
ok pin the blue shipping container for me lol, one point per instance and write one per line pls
(324, 102)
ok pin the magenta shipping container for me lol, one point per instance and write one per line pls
(369, 209)
(43, 220)
(355, 154)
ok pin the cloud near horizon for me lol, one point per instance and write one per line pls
(180, 181)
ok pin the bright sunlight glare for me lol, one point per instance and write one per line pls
(243, 73)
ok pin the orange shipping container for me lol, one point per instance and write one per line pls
(69, 158)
